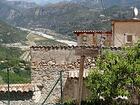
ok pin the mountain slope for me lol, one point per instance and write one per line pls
(107, 3)
(9, 34)
(62, 17)
(8, 12)
(21, 4)
(65, 17)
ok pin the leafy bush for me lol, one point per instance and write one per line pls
(9, 34)
(10, 53)
(116, 74)
(69, 102)
(20, 70)
(14, 78)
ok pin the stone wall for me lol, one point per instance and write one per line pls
(70, 90)
(46, 67)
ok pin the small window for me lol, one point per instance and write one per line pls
(84, 38)
(129, 38)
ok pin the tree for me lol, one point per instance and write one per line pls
(117, 73)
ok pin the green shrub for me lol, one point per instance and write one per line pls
(14, 78)
(116, 74)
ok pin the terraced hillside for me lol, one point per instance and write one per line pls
(9, 34)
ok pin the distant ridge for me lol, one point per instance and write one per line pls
(65, 17)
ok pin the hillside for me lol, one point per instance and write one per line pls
(21, 4)
(65, 17)
(107, 3)
(19, 71)
(61, 17)
(9, 34)
(8, 12)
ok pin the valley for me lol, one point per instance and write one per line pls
(69, 52)
(24, 24)
(15, 50)
(68, 16)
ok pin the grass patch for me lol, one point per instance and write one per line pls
(14, 78)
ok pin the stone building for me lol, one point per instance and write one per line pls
(94, 38)
(125, 32)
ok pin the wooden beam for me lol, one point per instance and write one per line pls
(80, 88)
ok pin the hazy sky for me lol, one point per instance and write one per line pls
(41, 1)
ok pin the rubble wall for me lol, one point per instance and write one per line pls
(46, 67)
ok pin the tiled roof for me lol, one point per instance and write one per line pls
(92, 32)
(17, 87)
(71, 47)
(75, 74)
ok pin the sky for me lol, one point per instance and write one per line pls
(41, 1)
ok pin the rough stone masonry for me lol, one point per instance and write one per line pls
(46, 66)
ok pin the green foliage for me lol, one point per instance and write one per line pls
(10, 53)
(15, 78)
(20, 70)
(9, 34)
(69, 102)
(117, 74)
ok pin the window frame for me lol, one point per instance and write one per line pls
(129, 38)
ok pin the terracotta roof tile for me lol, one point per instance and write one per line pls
(75, 74)
(93, 32)
(36, 48)
(17, 87)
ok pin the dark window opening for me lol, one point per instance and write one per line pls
(129, 38)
